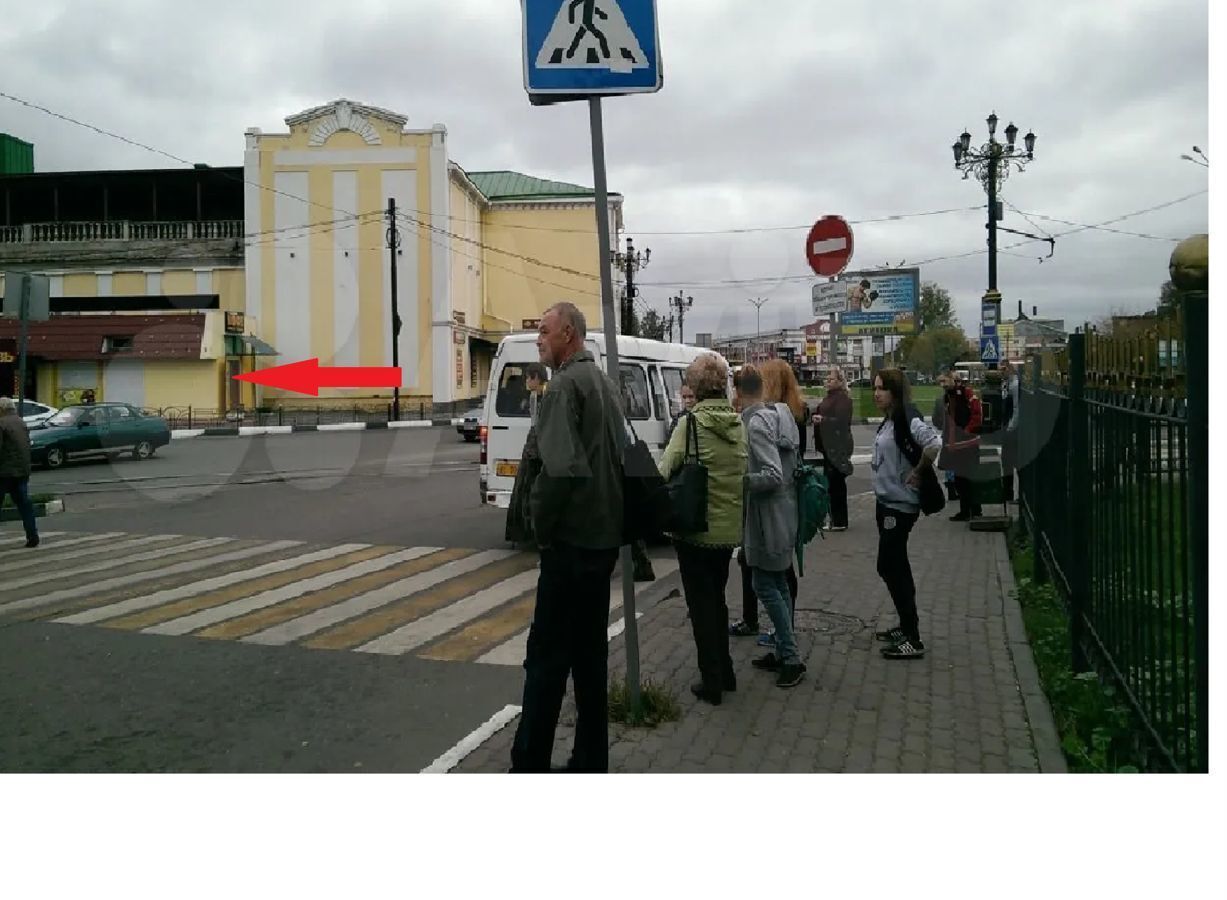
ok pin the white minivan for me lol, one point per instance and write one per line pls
(651, 379)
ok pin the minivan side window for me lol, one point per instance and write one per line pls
(673, 389)
(512, 399)
(634, 384)
(658, 397)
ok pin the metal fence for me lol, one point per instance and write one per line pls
(1113, 442)
(195, 417)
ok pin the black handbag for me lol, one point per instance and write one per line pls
(688, 488)
(645, 498)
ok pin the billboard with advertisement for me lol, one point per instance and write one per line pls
(881, 302)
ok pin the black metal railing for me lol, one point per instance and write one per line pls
(1113, 441)
(196, 417)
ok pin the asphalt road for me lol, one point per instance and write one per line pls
(106, 696)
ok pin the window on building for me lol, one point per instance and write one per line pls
(117, 343)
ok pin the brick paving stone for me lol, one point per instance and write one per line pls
(959, 709)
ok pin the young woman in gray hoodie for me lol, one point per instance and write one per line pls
(770, 533)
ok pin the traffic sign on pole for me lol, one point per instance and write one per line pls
(990, 349)
(828, 247)
(575, 49)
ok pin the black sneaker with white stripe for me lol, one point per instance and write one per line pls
(908, 648)
(891, 635)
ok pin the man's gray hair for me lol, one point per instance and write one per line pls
(570, 315)
(7, 405)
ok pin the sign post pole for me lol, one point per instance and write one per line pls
(611, 361)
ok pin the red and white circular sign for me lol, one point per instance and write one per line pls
(829, 246)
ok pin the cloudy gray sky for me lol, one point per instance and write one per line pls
(772, 114)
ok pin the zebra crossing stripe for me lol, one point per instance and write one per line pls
(79, 551)
(512, 652)
(130, 605)
(248, 584)
(49, 546)
(113, 562)
(218, 614)
(392, 616)
(264, 619)
(480, 636)
(440, 622)
(89, 616)
(355, 607)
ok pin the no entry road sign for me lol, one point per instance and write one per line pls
(829, 246)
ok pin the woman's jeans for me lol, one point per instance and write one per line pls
(772, 591)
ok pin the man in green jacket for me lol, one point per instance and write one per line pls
(576, 508)
(15, 466)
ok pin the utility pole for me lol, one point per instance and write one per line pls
(630, 262)
(758, 303)
(393, 243)
(669, 326)
(681, 304)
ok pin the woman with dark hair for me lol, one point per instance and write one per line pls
(703, 558)
(905, 444)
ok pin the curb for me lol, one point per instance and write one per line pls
(261, 430)
(1039, 713)
(41, 510)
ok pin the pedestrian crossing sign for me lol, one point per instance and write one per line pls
(990, 350)
(591, 47)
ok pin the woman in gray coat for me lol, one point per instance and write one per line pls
(770, 533)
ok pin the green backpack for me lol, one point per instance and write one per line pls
(813, 507)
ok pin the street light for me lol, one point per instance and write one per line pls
(1203, 162)
(991, 165)
(629, 263)
(758, 311)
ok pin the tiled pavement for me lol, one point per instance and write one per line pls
(973, 704)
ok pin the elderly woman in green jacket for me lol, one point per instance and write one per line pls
(703, 559)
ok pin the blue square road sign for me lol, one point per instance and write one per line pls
(990, 349)
(591, 47)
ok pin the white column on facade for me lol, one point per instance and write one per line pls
(252, 224)
(292, 254)
(402, 186)
(105, 283)
(204, 281)
(55, 285)
(345, 273)
(443, 353)
(153, 283)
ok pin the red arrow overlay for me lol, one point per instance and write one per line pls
(308, 376)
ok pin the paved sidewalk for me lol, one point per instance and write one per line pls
(973, 704)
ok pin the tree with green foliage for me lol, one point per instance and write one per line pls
(936, 310)
(934, 351)
(651, 325)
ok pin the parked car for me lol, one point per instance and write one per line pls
(36, 413)
(101, 429)
(470, 427)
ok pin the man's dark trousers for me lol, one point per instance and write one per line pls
(568, 636)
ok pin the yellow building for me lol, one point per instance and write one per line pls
(480, 254)
(222, 270)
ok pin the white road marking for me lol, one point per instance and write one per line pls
(340, 612)
(49, 551)
(87, 572)
(440, 622)
(472, 741)
(268, 598)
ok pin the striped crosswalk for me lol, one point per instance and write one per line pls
(438, 603)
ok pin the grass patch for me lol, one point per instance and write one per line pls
(656, 705)
(1096, 729)
(923, 395)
